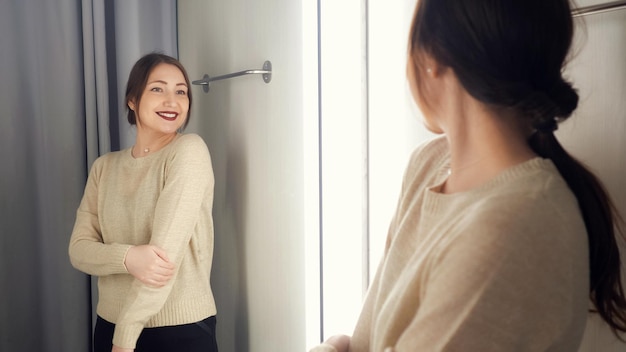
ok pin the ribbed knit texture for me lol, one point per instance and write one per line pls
(165, 199)
(502, 267)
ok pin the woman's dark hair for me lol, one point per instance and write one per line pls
(509, 54)
(138, 78)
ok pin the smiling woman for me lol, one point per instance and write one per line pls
(144, 225)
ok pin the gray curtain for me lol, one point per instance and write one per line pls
(63, 68)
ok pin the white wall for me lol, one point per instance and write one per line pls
(263, 142)
(343, 140)
(596, 132)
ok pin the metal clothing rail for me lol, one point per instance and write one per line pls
(594, 9)
(266, 73)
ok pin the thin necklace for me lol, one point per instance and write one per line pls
(466, 166)
(146, 150)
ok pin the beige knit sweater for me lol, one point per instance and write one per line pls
(502, 267)
(163, 199)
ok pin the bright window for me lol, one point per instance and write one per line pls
(369, 126)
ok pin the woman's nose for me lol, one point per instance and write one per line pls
(170, 99)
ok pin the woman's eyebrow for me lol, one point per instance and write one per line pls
(163, 82)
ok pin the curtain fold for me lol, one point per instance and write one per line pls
(63, 66)
(44, 302)
(95, 73)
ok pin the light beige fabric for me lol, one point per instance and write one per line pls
(502, 267)
(164, 199)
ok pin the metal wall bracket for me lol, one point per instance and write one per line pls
(266, 74)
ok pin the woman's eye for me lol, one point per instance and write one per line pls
(182, 92)
(156, 89)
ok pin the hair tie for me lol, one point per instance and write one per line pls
(546, 126)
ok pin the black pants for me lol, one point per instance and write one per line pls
(195, 337)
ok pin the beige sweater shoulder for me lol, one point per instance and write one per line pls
(502, 267)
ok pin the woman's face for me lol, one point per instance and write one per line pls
(164, 103)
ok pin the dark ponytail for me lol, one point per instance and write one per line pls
(602, 221)
(509, 54)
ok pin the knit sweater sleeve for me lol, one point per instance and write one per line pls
(87, 250)
(189, 176)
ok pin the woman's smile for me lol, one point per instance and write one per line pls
(168, 115)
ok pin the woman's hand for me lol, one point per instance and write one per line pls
(150, 265)
(340, 342)
(119, 349)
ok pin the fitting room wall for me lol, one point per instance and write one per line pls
(595, 133)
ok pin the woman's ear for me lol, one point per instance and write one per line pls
(433, 68)
(131, 105)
